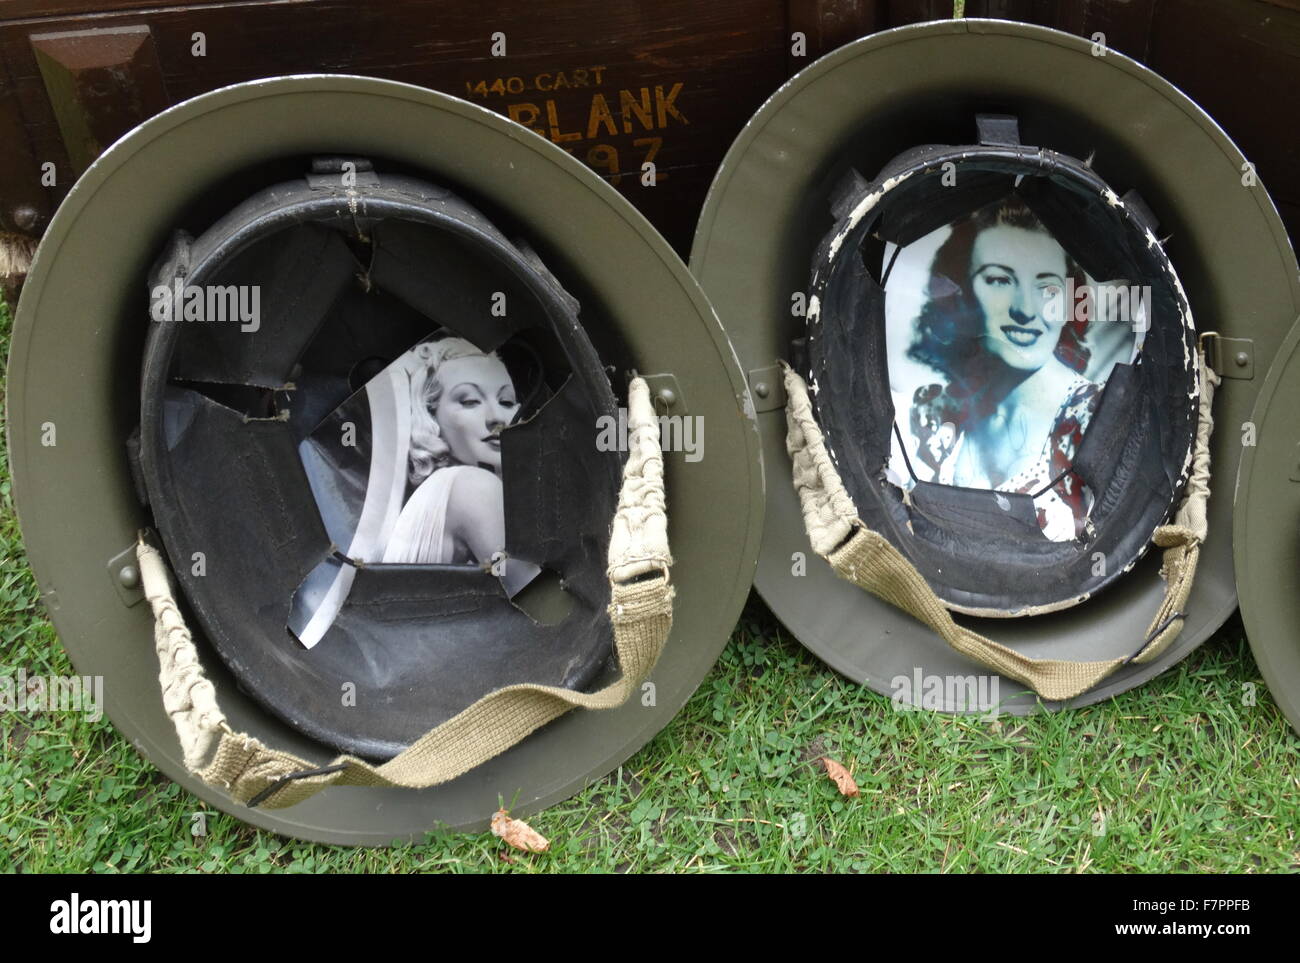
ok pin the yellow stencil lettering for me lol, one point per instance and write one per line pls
(606, 156)
(553, 117)
(628, 105)
(664, 104)
(600, 116)
(525, 114)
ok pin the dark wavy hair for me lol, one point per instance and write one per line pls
(949, 325)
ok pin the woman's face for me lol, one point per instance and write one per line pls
(1019, 280)
(478, 400)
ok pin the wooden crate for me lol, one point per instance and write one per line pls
(614, 83)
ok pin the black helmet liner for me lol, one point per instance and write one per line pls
(983, 550)
(346, 275)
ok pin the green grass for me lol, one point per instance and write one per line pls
(1178, 775)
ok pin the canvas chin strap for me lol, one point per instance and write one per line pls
(867, 559)
(640, 610)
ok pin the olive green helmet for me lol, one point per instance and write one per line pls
(934, 135)
(105, 401)
(1266, 528)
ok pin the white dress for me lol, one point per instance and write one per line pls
(1061, 509)
(419, 535)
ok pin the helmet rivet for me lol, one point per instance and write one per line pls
(667, 397)
(1242, 359)
(761, 389)
(129, 577)
(25, 218)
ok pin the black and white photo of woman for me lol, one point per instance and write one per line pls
(432, 422)
(461, 401)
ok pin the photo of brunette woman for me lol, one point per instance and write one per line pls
(996, 323)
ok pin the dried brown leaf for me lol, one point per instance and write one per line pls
(518, 833)
(841, 776)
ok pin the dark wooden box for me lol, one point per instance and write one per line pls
(614, 83)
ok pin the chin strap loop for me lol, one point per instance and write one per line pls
(868, 560)
(640, 610)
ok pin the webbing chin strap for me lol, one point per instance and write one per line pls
(867, 559)
(640, 610)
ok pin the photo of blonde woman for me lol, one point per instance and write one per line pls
(429, 425)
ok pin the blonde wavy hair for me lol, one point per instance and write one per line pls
(429, 451)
